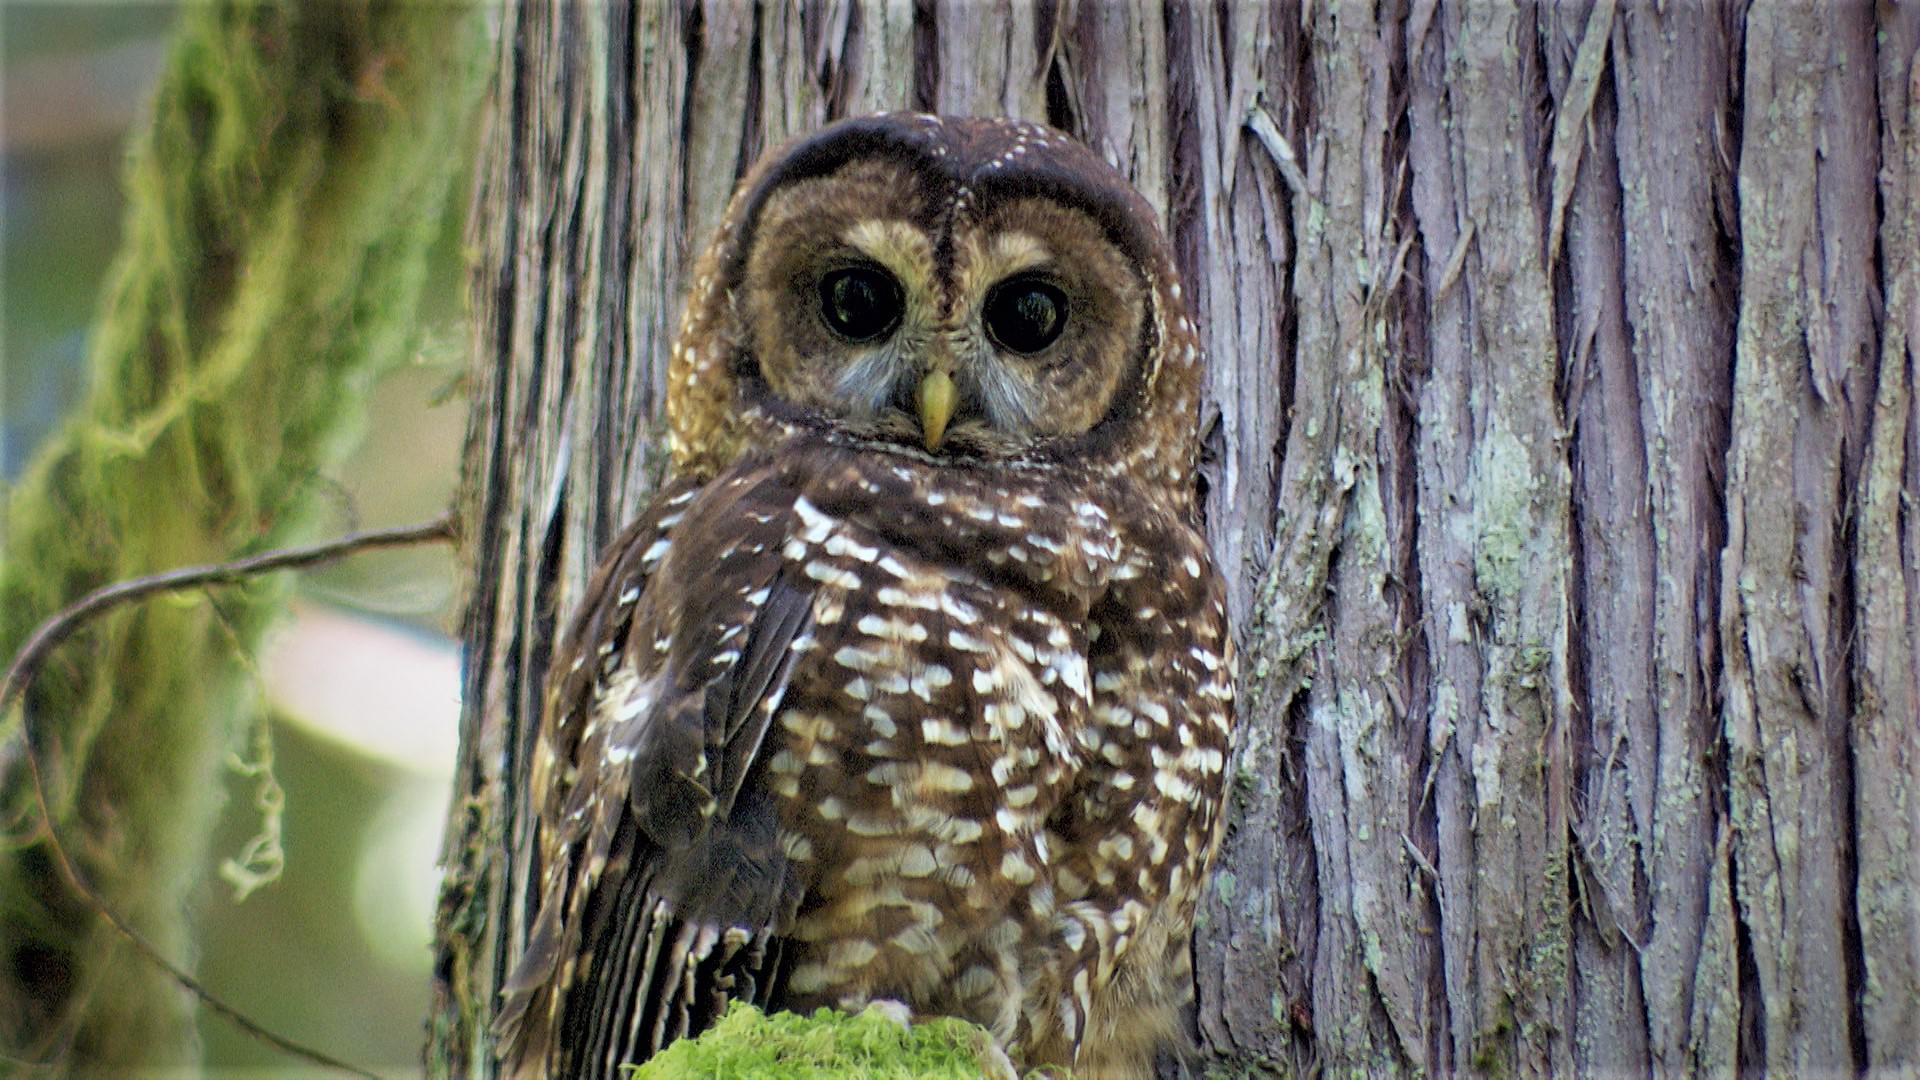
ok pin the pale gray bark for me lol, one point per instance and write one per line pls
(1561, 450)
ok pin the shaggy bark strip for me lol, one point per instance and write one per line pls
(1233, 231)
(1229, 221)
(1494, 497)
(1673, 144)
(1613, 735)
(1362, 783)
(1886, 573)
(1805, 183)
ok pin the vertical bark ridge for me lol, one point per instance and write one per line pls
(1799, 350)
(1672, 87)
(987, 60)
(1886, 742)
(1614, 727)
(1369, 983)
(1232, 229)
(1496, 476)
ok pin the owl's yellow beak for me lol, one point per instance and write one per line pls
(936, 406)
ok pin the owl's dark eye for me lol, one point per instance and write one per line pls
(1025, 314)
(860, 303)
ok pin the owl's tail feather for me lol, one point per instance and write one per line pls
(522, 1032)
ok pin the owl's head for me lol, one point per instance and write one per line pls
(957, 291)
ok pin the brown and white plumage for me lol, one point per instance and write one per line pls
(914, 683)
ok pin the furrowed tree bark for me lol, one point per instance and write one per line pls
(1561, 448)
(1672, 84)
(282, 200)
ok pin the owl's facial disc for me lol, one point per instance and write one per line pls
(869, 305)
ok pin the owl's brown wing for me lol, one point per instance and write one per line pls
(663, 883)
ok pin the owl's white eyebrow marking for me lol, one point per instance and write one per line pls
(1013, 251)
(894, 242)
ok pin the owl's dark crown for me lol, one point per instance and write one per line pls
(966, 164)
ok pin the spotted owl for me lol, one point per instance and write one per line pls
(914, 684)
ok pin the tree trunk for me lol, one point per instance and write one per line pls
(1562, 446)
(281, 204)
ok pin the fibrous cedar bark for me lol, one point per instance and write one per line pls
(281, 202)
(1561, 447)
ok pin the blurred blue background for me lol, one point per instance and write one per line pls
(362, 681)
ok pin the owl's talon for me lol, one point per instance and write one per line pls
(896, 1011)
(996, 1065)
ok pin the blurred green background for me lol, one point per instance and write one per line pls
(362, 680)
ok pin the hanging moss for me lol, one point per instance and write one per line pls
(282, 199)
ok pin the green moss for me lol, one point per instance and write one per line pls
(748, 1044)
(1503, 515)
(1224, 883)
